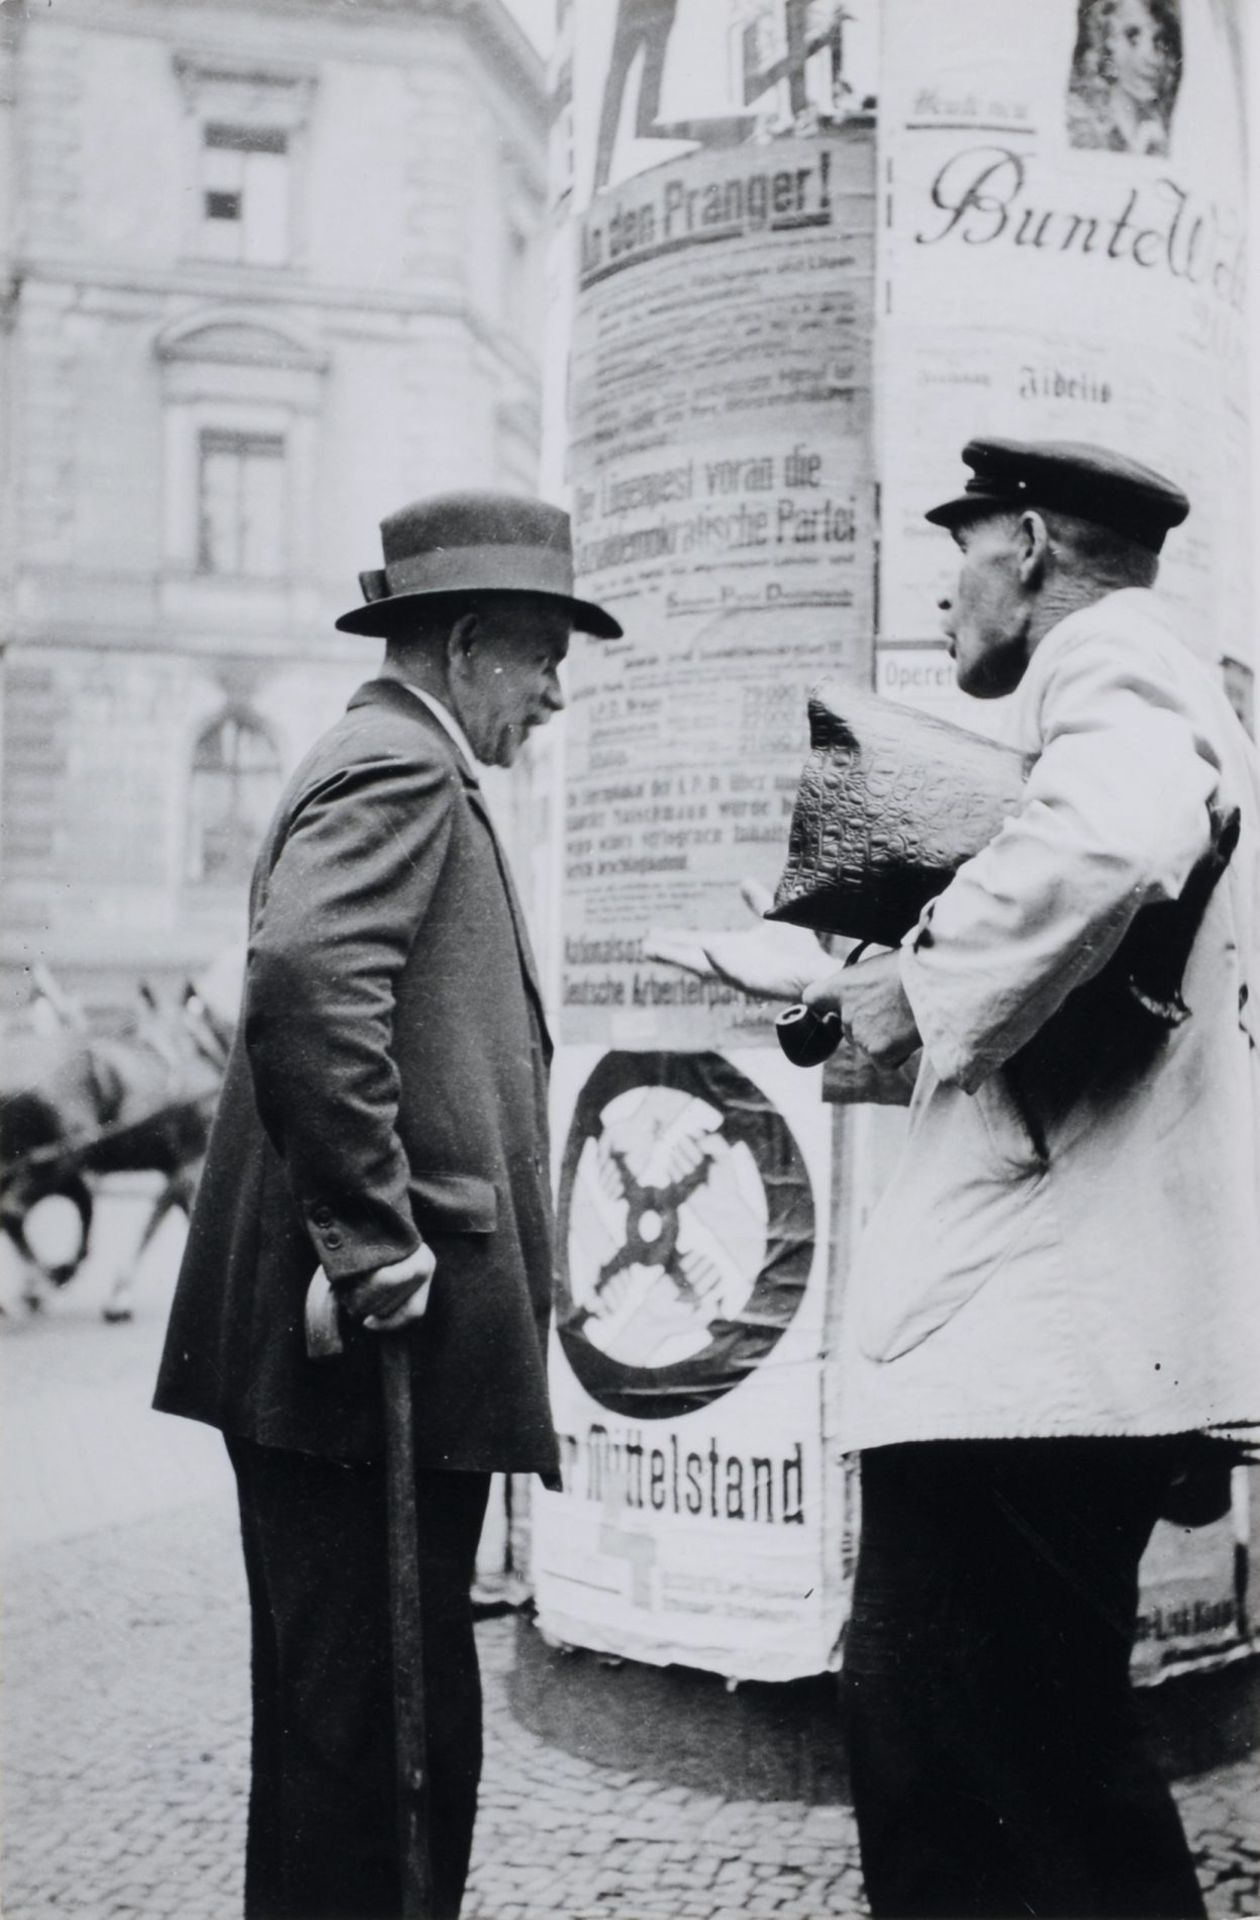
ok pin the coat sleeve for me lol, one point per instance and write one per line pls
(1115, 815)
(342, 907)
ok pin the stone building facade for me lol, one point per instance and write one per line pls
(268, 268)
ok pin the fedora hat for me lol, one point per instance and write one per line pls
(455, 544)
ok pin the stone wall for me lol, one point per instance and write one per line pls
(391, 351)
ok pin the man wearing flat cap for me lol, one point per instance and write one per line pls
(383, 1120)
(1052, 1331)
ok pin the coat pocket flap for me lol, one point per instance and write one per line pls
(453, 1203)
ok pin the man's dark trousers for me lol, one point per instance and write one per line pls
(322, 1841)
(997, 1766)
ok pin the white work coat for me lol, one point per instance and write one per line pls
(1105, 1277)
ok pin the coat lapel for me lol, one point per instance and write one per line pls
(524, 947)
(390, 694)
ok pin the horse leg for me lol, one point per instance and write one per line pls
(34, 1274)
(76, 1190)
(23, 1279)
(178, 1192)
(20, 1278)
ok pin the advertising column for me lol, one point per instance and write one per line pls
(777, 341)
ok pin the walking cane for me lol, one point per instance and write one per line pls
(411, 1768)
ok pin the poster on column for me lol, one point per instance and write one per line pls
(1062, 257)
(638, 83)
(700, 1520)
(1193, 1601)
(722, 495)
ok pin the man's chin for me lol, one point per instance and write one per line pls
(512, 743)
(979, 687)
(992, 675)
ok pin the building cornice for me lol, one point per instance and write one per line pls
(269, 293)
(192, 24)
(306, 644)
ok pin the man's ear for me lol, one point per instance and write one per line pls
(462, 637)
(1033, 540)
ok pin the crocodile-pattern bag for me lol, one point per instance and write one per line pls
(892, 801)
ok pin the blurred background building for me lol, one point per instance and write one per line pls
(268, 268)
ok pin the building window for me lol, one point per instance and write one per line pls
(242, 505)
(234, 786)
(245, 194)
(245, 156)
(35, 761)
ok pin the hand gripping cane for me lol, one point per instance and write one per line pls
(411, 1766)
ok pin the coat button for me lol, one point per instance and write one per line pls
(332, 1238)
(322, 1216)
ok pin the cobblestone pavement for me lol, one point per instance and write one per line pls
(125, 1701)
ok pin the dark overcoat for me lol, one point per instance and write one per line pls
(388, 1075)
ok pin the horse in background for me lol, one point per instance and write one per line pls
(75, 1108)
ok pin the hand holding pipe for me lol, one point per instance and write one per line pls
(807, 1037)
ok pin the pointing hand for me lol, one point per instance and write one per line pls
(770, 961)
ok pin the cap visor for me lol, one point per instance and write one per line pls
(964, 506)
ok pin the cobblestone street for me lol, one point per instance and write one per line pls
(125, 1697)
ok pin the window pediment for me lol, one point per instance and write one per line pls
(232, 341)
(236, 89)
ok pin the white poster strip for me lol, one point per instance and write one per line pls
(1062, 256)
(918, 673)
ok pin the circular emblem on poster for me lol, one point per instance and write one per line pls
(686, 1232)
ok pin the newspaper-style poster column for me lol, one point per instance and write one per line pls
(1062, 256)
(713, 284)
(701, 1517)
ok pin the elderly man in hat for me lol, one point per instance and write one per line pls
(383, 1119)
(1054, 1315)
